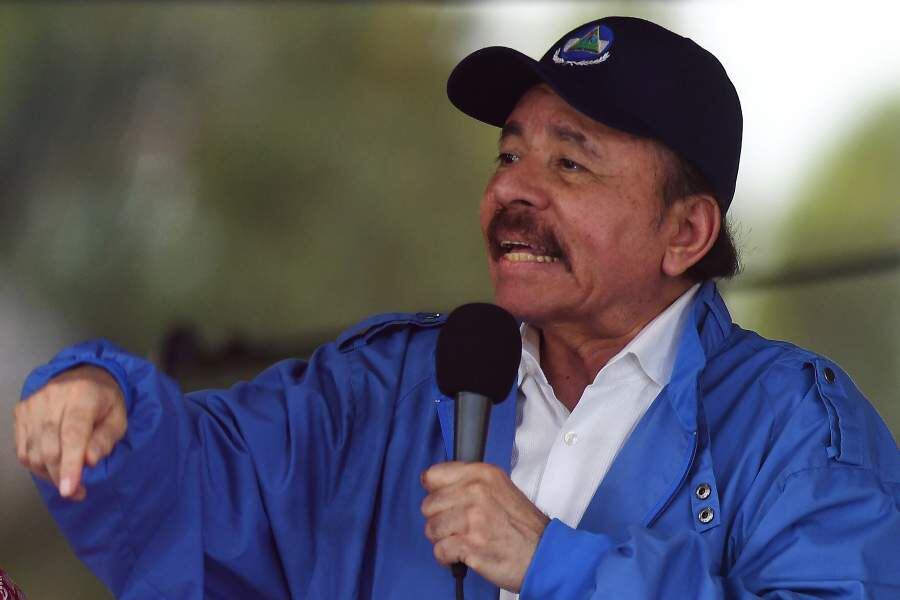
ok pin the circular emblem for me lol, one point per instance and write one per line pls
(589, 45)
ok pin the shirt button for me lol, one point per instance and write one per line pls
(703, 491)
(570, 438)
(706, 515)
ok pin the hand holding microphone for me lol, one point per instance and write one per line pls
(474, 513)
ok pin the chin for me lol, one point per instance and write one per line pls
(529, 293)
(525, 306)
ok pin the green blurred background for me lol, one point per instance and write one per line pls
(273, 172)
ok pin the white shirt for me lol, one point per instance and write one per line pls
(560, 457)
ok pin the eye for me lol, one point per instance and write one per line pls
(507, 158)
(570, 165)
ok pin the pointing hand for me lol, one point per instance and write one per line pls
(75, 419)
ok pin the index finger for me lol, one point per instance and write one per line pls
(447, 473)
(75, 431)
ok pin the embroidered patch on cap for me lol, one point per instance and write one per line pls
(590, 46)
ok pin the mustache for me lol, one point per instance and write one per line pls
(525, 223)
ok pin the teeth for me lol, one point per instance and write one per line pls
(510, 243)
(527, 257)
(507, 244)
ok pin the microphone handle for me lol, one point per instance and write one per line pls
(470, 425)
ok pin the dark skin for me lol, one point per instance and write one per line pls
(622, 261)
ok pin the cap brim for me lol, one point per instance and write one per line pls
(487, 84)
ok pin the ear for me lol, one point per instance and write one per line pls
(694, 223)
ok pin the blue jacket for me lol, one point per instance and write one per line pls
(760, 471)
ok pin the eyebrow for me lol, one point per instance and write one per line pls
(560, 132)
(510, 128)
(567, 134)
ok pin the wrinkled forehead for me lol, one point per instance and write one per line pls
(541, 108)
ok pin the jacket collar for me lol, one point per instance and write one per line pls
(707, 327)
(670, 445)
(708, 324)
(667, 441)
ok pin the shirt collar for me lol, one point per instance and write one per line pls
(531, 354)
(654, 347)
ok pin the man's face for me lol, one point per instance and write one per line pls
(571, 216)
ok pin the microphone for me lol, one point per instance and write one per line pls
(478, 353)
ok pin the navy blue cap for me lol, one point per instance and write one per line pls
(629, 74)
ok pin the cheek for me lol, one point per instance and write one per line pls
(486, 209)
(617, 245)
(484, 219)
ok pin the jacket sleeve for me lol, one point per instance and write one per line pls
(181, 507)
(821, 519)
(831, 532)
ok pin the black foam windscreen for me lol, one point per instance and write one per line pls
(478, 351)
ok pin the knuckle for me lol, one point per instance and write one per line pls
(74, 426)
(442, 551)
(31, 465)
(102, 439)
(49, 427)
(23, 411)
(480, 469)
(76, 382)
(462, 547)
(53, 388)
(82, 403)
(493, 474)
(478, 491)
(27, 444)
(475, 518)
(50, 453)
(476, 539)
(34, 461)
(111, 435)
(101, 449)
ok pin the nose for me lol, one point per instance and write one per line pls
(518, 185)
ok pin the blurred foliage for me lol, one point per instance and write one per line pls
(202, 165)
(851, 207)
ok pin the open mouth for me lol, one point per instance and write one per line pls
(518, 237)
(521, 251)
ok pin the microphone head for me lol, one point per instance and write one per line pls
(478, 351)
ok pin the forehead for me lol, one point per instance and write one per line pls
(541, 108)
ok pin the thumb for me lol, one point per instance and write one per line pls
(108, 430)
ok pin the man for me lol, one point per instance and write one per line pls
(656, 450)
